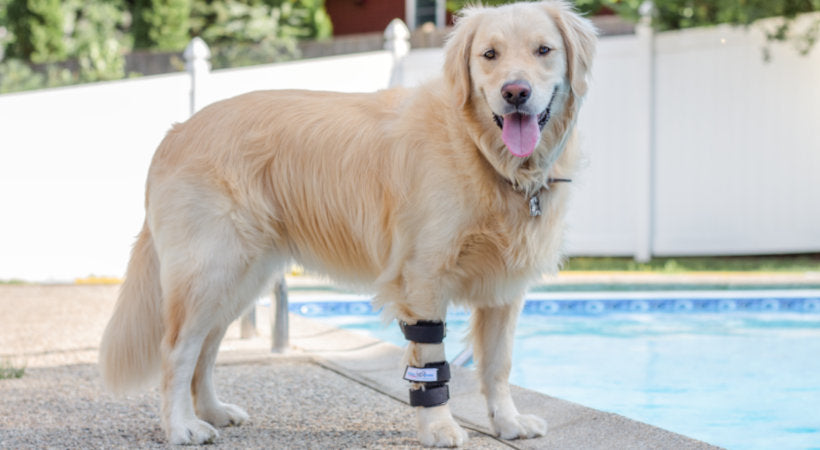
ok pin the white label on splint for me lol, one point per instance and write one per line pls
(421, 374)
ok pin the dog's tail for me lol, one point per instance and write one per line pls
(130, 348)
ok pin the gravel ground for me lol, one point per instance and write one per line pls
(59, 403)
(64, 407)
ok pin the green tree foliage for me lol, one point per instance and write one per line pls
(161, 24)
(4, 18)
(304, 19)
(234, 21)
(37, 26)
(242, 32)
(97, 38)
(677, 14)
(296, 19)
(93, 39)
(5, 34)
(15, 76)
(86, 40)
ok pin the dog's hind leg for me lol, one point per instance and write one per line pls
(208, 279)
(181, 349)
(492, 334)
(207, 405)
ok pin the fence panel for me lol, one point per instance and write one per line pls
(73, 160)
(72, 173)
(363, 72)
(605, 211)
(738, 149)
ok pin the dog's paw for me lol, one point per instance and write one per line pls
(192, 432)
(519, 426)
(445, 433)
(223, 415)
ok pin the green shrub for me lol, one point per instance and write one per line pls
(677, 14)
(97, 38)
(16, 75)
(303, 19)
(5, 33)
(242, 33)
(37, 26)
(89, 38)
(162, 24)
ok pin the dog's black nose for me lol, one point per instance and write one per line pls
(516, 92)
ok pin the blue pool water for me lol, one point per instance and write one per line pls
(740, 370)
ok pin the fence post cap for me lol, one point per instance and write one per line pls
(646, 10)
(397, 38)
(196, 49)
(396, 29)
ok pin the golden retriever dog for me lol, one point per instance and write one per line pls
(448, 193)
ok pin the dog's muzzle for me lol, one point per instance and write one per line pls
(433, 377)
(543, 117)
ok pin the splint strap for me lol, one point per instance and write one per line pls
(430, 396)
(424, 331)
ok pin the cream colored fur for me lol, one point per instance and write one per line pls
(410, 192)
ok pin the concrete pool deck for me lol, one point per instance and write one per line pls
(333, 389)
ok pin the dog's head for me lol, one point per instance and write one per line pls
(521, 65)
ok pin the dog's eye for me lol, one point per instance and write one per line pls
(489, 54)
(543, 50)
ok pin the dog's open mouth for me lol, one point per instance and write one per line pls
(543, 118)
(521, 132)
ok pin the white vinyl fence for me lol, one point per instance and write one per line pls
(695, 145)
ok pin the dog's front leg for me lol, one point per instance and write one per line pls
(492, 331)
(428, 372)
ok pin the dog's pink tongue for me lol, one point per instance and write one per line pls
(520, 133)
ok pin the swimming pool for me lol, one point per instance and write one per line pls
(736, 369)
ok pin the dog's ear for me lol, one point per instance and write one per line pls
(457, 55)
(580, 39)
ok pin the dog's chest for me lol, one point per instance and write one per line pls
(513, 244)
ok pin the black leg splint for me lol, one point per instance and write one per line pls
(433, 377)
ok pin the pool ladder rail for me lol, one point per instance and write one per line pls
(280, 331)
(464, 357)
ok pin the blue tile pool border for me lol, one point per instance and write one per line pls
(594, 304)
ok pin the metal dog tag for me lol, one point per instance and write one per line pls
(535, 206)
